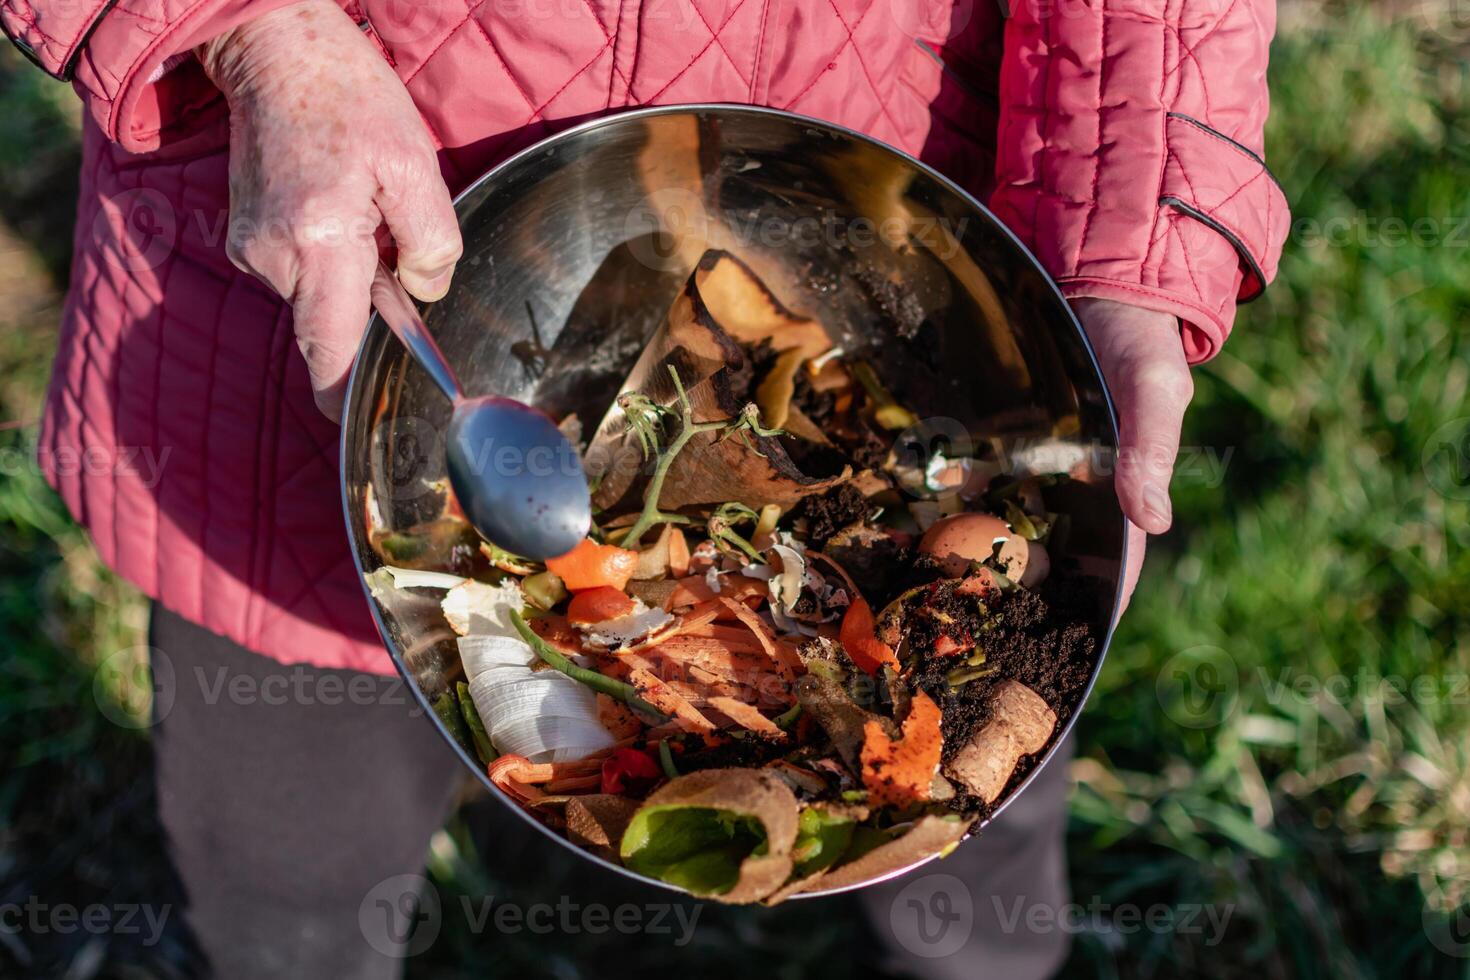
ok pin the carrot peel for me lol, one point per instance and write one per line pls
(902, 772)
(590, 565)
(858, 637)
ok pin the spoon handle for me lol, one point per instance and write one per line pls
(398, 311)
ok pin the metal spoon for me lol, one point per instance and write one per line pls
(518, 479)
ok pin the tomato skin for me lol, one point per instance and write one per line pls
(629, 770)
(598, 605)
(857, 636)
(590, 565)
(948, 646)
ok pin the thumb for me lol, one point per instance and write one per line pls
(1146, 371)
(1152, 389)
(330, 310)
(415, 204)
(1137, 544)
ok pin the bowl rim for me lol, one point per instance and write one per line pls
(624, 117)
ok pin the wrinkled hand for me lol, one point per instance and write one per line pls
(326, 147)
(1143, 362)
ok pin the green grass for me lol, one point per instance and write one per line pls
(1213, 770)
(1331, 821)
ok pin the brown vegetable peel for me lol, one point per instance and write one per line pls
(743, 305)
(750, 792)
(842, 719)
(707, 357)
(1020, 724)
(597, 821)
(928, 837)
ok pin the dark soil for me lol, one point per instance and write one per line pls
(1042, 639)
(882, 568)
(868, 448)
(830, 512)
(734, 753)
(895, 299)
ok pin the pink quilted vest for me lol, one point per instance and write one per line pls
(1121, 139)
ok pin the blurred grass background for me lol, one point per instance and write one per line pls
(1283, 724)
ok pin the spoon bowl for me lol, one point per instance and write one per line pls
(517, 478)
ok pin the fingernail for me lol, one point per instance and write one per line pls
(1156, 502)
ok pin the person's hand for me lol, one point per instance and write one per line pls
(1143, 362)
(325, 147)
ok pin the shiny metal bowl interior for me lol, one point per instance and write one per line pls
(575, 249)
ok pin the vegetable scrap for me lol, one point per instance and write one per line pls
(772, 666)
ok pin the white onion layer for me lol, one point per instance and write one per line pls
(418, 578)
(540, 714)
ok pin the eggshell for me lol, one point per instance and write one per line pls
(1024, 561)
(961, 539)
(1037, 567)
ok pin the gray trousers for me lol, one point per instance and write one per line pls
(298, 804)
(991, 910)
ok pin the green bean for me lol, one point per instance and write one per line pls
(601, 683)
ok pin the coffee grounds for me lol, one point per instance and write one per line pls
(894, 299)
(830, 512)
(868, 449)
(734, 753)
(1042, 638)
(819, 406)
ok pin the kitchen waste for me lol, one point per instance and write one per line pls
(789, 655)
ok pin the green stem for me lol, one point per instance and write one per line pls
(447, 708)
(601, 683)
(666, 759)
(731, 537)
(651, 514)
(748, 421)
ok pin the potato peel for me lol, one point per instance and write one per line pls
(930, 836)
(750, 792)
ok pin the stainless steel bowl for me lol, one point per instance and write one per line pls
(576, 247)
